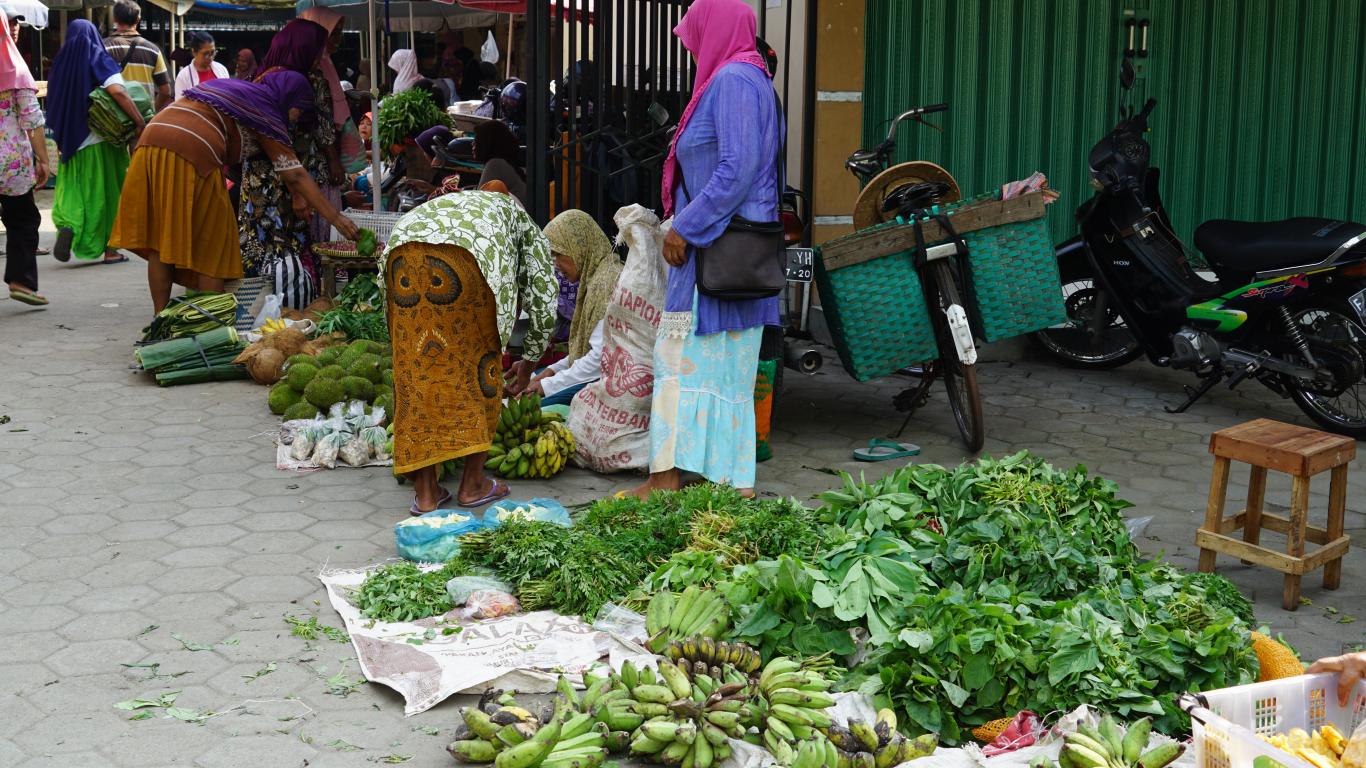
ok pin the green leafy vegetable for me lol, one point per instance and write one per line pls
(404, 115)
(404, 592)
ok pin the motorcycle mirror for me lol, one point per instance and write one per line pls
(1127, 75)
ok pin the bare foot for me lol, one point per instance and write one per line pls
(472, 491)
(746, 493)
(641, 491)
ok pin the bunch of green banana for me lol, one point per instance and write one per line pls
(694, 613)
(529, 442)
(1110, 746)
(567, 740)
(712, 653)
(791, 703)
(879, 745)
(704, 713)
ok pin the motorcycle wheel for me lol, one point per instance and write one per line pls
(1338, 341)
(960, 381)
(1071, 344)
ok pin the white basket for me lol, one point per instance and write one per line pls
(382, 223)
(1225, 733)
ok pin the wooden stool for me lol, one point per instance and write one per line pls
(1296, 451)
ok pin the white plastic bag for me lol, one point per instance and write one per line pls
(610, 418)
(270, 309)
(489, 50)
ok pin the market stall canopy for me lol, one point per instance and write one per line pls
(33, 12)
(427, 16)
(75, 5)
(519, 6)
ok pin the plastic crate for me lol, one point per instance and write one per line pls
(1226, 722)
(382, 223)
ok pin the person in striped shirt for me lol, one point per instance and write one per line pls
(140, 59)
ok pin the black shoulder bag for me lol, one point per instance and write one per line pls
(748, 260)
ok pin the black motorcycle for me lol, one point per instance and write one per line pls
(1286, 306)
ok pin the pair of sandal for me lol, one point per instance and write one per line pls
(500, 491)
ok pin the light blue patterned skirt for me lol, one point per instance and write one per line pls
(702, 415)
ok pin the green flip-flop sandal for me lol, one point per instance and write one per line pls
(882, 450)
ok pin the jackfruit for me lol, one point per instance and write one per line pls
(333, 371)
(358, 388)
(323, 392)
(367, 366)
(300, 375)
(281, 397)
(300, 410)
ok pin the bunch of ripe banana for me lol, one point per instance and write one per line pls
(879, 745)
(512, 737)
(701, 714)
(1111, 746)
(707, 656)
(529, 442)
(274, 325)
(694, 613)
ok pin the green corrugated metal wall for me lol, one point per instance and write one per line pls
(1260, 102)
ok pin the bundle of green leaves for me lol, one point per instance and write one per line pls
(1004, 585)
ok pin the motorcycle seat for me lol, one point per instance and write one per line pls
(1245, 248)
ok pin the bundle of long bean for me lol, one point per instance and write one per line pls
(195, 312)
(205, 357)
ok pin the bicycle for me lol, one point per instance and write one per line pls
(940, 271)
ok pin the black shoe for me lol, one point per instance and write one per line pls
(62, 250)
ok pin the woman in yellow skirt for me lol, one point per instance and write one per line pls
(175, 211)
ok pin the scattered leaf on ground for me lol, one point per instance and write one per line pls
(189, 646)
(143, 715)
(1330, 609)
(188, 715)
(310, 629)
(341, 685)
(430, 730)
(344, 746)
(393, 759)
(1345, 619)
(164, 700)
(451, 630)
(232, 641)
(149, 628)
(262, 672)
(1306, 601)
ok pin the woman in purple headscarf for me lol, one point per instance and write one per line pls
(274, 242)
(175, 211)
(91, 170)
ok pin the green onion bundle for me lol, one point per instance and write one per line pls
(192, 360)
(194, 313)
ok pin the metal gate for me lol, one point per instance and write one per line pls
(612, 80)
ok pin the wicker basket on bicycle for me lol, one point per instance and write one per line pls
(872, 298)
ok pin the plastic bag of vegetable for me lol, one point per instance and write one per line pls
(355, 452)
(377, 440)
(461, 587)
(435, 536)
(305, 437)
(541, 510)
(325, 454)
(490, 604)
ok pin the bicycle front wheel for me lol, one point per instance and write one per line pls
(960, 379)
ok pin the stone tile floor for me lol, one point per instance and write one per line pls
(140, 524)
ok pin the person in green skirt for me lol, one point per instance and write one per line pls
(91, 173)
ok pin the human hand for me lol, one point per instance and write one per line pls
(510, 378)
(346, 227)
(523, 382)
(336, 177)
(1351, 669)
(675, 249)
(40, 173)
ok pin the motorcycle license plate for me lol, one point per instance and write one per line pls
(800, 264)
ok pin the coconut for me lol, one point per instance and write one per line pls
(247, 354)
(265, 366)
(289, 341)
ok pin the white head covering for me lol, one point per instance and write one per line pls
(404, 62)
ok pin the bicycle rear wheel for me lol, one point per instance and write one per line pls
(960, 380)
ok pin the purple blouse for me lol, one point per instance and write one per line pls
(728, 156)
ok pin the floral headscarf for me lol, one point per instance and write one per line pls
(576, 235)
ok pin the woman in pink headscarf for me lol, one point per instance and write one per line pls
(23, 166)
(724, 162)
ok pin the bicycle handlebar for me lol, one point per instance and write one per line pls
(910, 113)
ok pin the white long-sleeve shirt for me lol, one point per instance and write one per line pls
(188, 77)
(564, 374)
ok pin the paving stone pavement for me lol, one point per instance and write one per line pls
(138, 524)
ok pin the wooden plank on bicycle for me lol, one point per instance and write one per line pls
(876, 242)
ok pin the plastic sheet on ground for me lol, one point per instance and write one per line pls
(525, 652)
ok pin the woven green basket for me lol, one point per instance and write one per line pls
(1013, 283)
(876, 314)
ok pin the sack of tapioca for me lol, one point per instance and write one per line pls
(610, 418)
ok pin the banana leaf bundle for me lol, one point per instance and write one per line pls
(107, 119)
(195, 359)
(193, 313)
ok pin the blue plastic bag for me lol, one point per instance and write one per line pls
(435, 536)
(543, 510)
